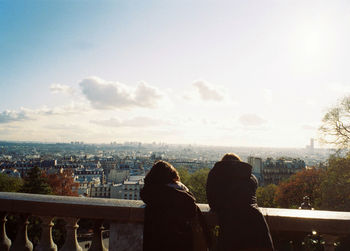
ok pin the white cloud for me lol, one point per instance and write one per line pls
(72, 108)
(8, 116)
(25, 114)
(146, 95)
(133, 122)
(208, 92)
(114, 95)
(251, 120)
(58, 88)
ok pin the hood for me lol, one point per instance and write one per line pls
(232, 168)
(231, 185)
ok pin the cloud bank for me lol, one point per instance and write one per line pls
(58, 88)
(25, 114)
(114, 95)
(207, 92)
(8, 116)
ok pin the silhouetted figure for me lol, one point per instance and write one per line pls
(306, 203)
(172, 219)
(231, 195)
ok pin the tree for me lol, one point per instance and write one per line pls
(35, 182)
(196, 182)
(184, 175)
(63, 183)
(335, 188)
(336, 125)
(290, 193)
(10, 184)
(266, 196)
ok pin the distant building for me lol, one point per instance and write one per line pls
(117, 191)
(85, 186)
(131, 188)
(312, 141)
(274, 171)
(87, 178)
(118, 175)
(108, 164)
(45, 164)
(257, 165)
(311, 147)
(88, 174)
(101, 191)
(191, 165)
(11, 172)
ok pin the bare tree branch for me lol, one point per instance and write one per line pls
(335, 129)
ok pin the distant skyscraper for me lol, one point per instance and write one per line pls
(310, 147)
(312, 144)
(257, 164)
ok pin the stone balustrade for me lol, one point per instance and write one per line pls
(125, 220)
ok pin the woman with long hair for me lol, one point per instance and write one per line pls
(171, 213)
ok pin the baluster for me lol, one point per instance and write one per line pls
(71, 243)
(125, 236)
(22, 243)
(97, 241)
(5, 242)
(46, 243)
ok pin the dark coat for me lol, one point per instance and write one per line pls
(231, 195)
(169, 218)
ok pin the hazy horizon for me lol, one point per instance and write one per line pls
(163, 143)
(227, 73)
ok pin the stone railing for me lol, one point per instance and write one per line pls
(125, 220)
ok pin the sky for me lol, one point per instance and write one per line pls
(229, 73)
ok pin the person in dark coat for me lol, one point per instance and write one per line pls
(170, 213)
(231, 195)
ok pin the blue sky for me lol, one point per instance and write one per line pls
(239, 73)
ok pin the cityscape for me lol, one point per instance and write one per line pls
(125, 123)
(117, 170)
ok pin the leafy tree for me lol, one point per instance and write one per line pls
(335, 188)
(336, 125)
(10, 184)
(196, 182)
(290, 193)
(266, 195)
(35, 182)
(184, 175)
(63, 183)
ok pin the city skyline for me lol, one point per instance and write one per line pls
(253, 73)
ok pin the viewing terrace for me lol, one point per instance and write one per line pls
(289, 227)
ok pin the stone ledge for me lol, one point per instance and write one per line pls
(131, 211)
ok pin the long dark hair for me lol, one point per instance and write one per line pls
(162, 172)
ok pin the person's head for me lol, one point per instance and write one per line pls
(231, 157)
(162, 172)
